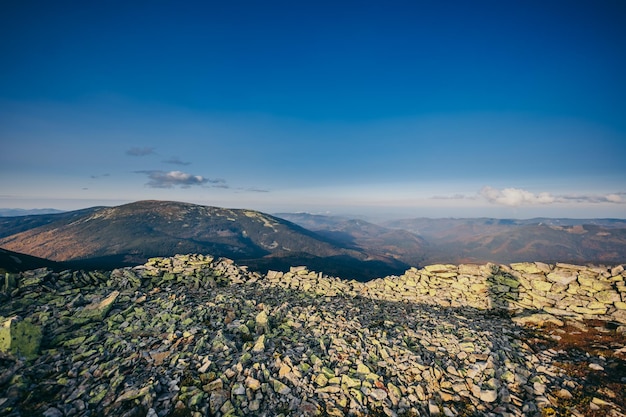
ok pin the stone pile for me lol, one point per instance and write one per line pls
(196, 336)
(562, 290)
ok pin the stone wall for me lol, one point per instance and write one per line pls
(562, 290)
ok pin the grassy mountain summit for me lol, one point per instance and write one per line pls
(129, 234)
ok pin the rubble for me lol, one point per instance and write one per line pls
(193, 335)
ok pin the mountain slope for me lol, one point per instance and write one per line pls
(131, 233)
(16, 224)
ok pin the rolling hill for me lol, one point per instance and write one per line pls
(105, 237)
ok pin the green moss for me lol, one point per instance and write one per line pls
(20, 337)
(97, 396)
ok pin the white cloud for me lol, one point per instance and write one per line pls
(162, 179)
(614, 198)
(517, 197)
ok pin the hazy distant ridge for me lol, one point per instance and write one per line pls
(7, 212)
(479, 240)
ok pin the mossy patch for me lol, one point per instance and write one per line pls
(20, 337)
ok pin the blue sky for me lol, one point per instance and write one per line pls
(452, 108)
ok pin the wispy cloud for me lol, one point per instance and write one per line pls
(94, 177)
(136, 151)
(171, 179)
(518, 197)
(618, 198)
(453, 197)
(257, 190)
(176, 161)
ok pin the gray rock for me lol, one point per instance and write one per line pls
(488, 396)
(52, 412)
(378, 394)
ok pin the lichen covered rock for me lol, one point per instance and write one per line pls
(19, 337)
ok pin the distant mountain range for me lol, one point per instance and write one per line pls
(108, 237)
(479, 240)
(4, 212)
(403, 245)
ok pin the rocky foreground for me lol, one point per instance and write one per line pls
(197, 336)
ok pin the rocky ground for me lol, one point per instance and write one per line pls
(194, 336)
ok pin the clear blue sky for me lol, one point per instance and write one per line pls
(431, 108)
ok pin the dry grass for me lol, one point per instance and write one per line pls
(579, 346)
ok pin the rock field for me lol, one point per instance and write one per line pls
(196, 336)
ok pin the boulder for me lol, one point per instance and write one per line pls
(507, 280)
(541, 285)
(440, 268)
(526, 267)
(97, 310)
(262, 322)
(10, 282)
(607, 297)
(20, 337)
(538, 319)
(564, 277)
(617, 270)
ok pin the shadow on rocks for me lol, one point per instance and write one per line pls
(503, 290)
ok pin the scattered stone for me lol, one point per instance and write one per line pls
(600, 402)
(537, 319)
(97, 310)
(433, 408)
(52, 412)
(261, 320)
(488, 396)
(280, 388)
(378, 394)
(563, 393)
(253, 384)
(259, 345)
(193, 335)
